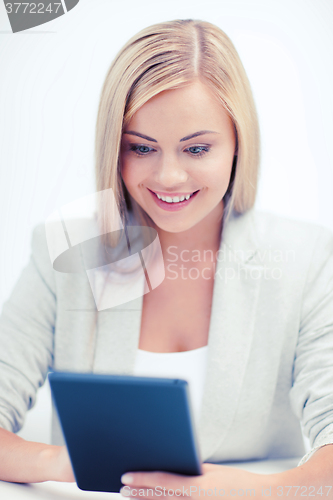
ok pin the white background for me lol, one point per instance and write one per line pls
(51, 77)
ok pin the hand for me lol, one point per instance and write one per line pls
(219, 479)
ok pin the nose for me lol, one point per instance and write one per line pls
(169, 172)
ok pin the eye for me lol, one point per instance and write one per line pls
(140, 149)
(198, 150)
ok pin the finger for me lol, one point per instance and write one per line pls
(158, 479)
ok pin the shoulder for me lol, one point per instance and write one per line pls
(39, 246)
(269, 238)
(76, 245)
(274, 230)
(277, 227)
(306, 240)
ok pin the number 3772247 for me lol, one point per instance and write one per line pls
(303, 491)
(32, 8)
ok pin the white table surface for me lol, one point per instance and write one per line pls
(69, 491)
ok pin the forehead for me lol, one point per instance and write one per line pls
(193, 107)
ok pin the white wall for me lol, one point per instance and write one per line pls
(51, 77)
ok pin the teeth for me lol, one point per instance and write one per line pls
(176, 199)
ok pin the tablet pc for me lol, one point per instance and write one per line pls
(114, 424)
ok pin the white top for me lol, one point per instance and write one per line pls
(186, 365)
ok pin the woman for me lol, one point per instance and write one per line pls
(177, 141)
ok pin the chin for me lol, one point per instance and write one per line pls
(172, 227)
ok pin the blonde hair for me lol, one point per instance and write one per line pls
(167, 56)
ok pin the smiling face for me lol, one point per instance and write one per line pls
(176, 157)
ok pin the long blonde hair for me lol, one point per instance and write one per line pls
(161, 57)
(167, 56)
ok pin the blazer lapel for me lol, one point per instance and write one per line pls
(119, 296)
(118, 338)
(236, 291)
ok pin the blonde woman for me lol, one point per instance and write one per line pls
(245, 311)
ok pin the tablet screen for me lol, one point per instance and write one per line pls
(114, 424)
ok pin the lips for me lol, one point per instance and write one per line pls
(172, 206)
(173, 197)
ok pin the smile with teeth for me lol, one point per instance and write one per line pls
(175, 199)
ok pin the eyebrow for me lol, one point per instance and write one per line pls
(196, 134)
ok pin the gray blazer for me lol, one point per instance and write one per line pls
(270, 347)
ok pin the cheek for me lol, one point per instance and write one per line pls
(217, 177)
(128, 175)
(133, 171)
